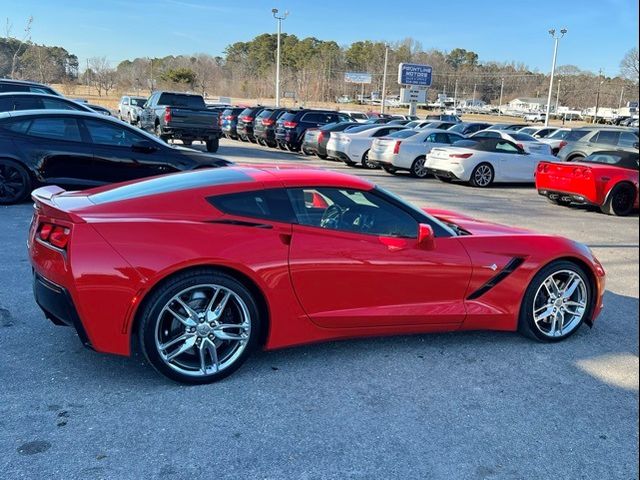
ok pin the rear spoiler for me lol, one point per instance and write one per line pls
(44, 203)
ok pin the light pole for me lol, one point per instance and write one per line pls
(558, 96)
(501, 92)
(384, 80)
(556, 39)
(279, 19)
(601, 81)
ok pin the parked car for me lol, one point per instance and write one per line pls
(522, 140)
(264, 126)
(291, 127)
(130, 108)
(397, 121)
(229, 121)
(38, 101)
(99, 109)
(81, 149)
(408, 149)
(352, 147)
(417, 124)
(378, 121)
(356, 115)
(246, 120)
(582, 142)
(316, 139)
(557, 139)
(296, 257)
(538, 132)
(508, 126)
(9, 85)
(444, 118)
(483, 162)
(183, 116)
(467, 128)
(439, 125)
(606, 179)
(535, 117)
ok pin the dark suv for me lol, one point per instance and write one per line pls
(264, 126)
(467, 128)
(229, 121)
(246, 120)
(8, 85)
(291, 127)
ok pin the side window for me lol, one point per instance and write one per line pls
(39, 90)
(27, 103)
(104, 133)
(20, 126)
(55, 128)
(382, 132)
(453, 137)
(488, 135)
(353, 211)
(312, 117)
(627, 139)
(51, 103)
(271, 204)
(506, 147)
(125, 101)
(606, 137)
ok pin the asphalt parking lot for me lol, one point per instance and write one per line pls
(475, 405)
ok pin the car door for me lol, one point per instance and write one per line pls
(58, 147)
(362, 267)
(116, 154)
(516, 165)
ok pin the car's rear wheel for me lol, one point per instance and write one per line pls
(366, 163)
(418, 169)
(482, 176)
(213, 144)
(556, 302)
(575, 158)
(199, 327)
(620, 201)
(15, 182)
(159, 134)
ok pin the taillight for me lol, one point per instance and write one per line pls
(288, 124)
(246, 119)
(396, 147)
(581, 172)
(543, 167)
(562, 145)
(267, 122)
(460, 155)
(56, 235)
(320, 136)
(167, 115)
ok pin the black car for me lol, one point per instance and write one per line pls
(467, 128)
(81, 149)
(246, 120)
(8, 85)
(13, 101)
(264, 126)
(229, 121)
(397, 121)
(291, 127)
(378, 121)
(99, 109)
(315, 139)
(440, 125)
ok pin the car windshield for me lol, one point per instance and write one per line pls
(522, 137)
(358, 116)
(403, 134)
(138, 102)
(624, 160)
(528, 131)
(459, 128)
(182, 100)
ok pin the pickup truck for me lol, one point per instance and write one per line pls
(183, 116)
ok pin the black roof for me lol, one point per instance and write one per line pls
(23, 82)
(616, 158)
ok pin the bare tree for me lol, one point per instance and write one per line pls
(21, 43)
(103, 77)
(629, 67)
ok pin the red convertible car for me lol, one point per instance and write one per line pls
(608, 180)
(207, 266)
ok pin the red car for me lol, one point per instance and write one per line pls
(607, 179)
(207, 266)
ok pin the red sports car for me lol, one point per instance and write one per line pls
(607, 179)
(206, 266)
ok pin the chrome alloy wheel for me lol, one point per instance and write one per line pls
(482, 175)
(419, 168)
(202, 330)
(560, 303)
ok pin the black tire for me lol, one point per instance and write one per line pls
(252, 139)
(366, 163)
(15, 182)
(152, 311)
(388, 169)
(213, 144)
(620, 201)
(282, 146)
(444, 179)
(417, 168)
(322, 157)
(526, 322)
(575, 158)
(243, 138)
(158, 132)
(482, 177)
(271, 144)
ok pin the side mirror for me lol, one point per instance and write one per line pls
(426, 237)
(144, 146)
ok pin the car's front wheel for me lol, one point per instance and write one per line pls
(213, 145)
(199, 327)
(556, 302)
(15, 182)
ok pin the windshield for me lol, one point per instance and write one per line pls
(459, 128)
(522, 137)
(403, 134)
(362, 128)
(182, 100)
(138, 102)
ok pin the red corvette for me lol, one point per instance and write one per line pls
(206, 266)
(607, 179)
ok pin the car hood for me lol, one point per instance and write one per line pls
(475, 226)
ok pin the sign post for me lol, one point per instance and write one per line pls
(362, 78)
(416, 78)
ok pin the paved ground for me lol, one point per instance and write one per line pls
(470, 405)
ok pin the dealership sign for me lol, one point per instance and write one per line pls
(414, 74)
(357, 77)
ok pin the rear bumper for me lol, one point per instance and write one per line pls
(192, 133)
(57, 305)
(570, 197)
(339, 156)
(443, 173)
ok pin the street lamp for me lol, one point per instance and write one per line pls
(279, 19)
(556, 38)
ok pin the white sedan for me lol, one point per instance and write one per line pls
(524, 141)
(352, 146)
(407, 149)
(482, 162)
(557, 139)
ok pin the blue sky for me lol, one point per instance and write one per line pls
(600, 31)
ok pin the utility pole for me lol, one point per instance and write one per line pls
(558, 96)
(384, 80)
(474, 94)
(279, 20)
(600, 82)
(556, 39)
(501, 92)
(621, 97)
(455, 96)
